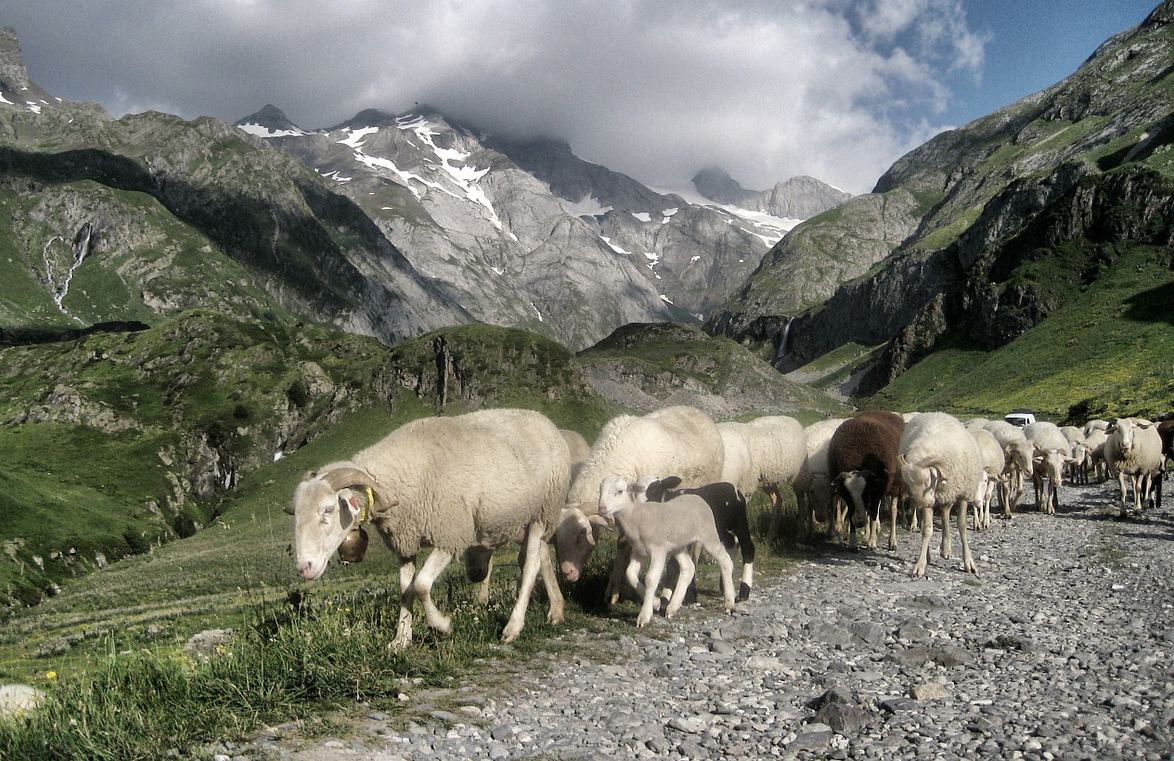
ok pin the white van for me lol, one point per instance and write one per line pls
(1020, 417)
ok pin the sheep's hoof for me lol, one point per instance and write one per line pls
(743, 592)
(641, 622)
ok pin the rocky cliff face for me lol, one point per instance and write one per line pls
(797, 198)
(525, 233)
(149, 215)
(947, 240)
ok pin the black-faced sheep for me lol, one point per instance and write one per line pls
(657, 530)
(862, 461)
(481, 479)
(1134, 452)
(728, 504)
(942, 466)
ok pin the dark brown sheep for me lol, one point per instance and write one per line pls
(863, 465)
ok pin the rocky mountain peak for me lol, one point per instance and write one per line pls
(13, 75)
(271, 121)
(800, 197)
(718, 186)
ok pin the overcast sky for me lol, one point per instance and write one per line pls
(766, 89)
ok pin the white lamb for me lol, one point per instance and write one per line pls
(1051, 453)
(943, 466)
(656, 530)
(1134, 452)
(480, 479)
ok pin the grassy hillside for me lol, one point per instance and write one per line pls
(1109, 350)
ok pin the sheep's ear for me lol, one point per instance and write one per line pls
(637, 488)
(670, 482)
(309, 475)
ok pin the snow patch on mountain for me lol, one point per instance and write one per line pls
(260, 130)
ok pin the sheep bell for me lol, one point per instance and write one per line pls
(354, 547)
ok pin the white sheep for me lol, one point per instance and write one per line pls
(993, 463)
(1051, 453)
(942, 466)
(679, 440)
(480, 479)
(813, 484)
(1134, 452)
(1017, 453)
(656, 530)
(1095, 465)
(1076, 442)
(777, 447)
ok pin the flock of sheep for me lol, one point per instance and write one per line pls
(673, 482)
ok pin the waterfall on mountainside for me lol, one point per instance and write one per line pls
(81, 249)
(781, 351)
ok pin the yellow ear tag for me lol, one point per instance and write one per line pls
(366, 511)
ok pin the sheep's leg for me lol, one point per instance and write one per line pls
(483, 587)
(437, 561)
(554, 594)
(946, 551)
(632, 575)
(651, 584)
(726, 565)
(534, 546)
(926, 536)
(892, 522)
(615, 581)
(1124, 490)
(776, 517)
(403, 628)
(967, 559)
(687, 568)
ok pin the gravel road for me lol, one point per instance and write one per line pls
(1062, 647)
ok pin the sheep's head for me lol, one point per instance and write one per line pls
(575, 538)
(327, 508)
(617, 493)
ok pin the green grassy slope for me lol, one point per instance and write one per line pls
(1109, 350)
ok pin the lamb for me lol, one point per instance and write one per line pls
(813, 485)
(1134, 451)
(862, 460)
(656, 530)
(480, 479)
(728, 504)
(942, 465)
(680, 440)
(776, 449)
(1052, 452)
(1018, 463)
(993, 463)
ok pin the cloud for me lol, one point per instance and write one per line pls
(832, 88)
